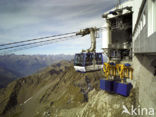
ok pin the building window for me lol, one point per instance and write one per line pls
(151, 17)
(142, 23)
(144, 19)
(154, 15)
(139, 28)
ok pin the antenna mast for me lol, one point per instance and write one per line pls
(118, 3)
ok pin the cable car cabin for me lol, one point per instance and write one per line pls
(84, 62)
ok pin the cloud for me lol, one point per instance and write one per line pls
(26, 19)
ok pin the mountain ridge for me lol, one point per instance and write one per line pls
(57, 91)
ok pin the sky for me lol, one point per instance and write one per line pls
(27, 19)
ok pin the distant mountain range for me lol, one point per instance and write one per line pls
(17, 66)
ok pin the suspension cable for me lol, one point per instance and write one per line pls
(33, 46)
(15, 46)
(36, 39)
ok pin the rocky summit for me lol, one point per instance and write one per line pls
(60, 91)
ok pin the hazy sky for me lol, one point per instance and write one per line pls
(27, 19)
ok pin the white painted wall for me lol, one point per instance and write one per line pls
(105, 36)
(150, 15)
(136, 7)
(142, 20)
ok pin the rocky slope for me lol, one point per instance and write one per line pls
(58, 91)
